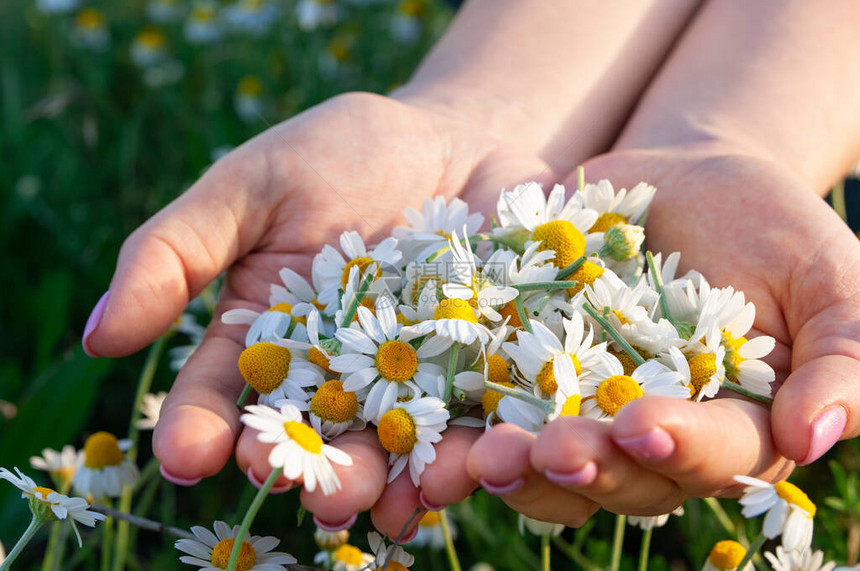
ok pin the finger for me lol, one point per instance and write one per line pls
(361, 483)
(499, 460)
(701, 446)
(578, 455)
(252, 456)
(446, 481)
(819, 402)
(170, 258)
(398, 510)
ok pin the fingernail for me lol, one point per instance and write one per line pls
(176, 479)
(654, 445)
(406, 538)
(827, 428)
(258, 484)
(93, 322)
(502, 489)
(332, 528)
(432, 507)
(582, 477)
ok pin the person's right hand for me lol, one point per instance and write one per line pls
(352, 163)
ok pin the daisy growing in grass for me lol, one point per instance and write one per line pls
(212, 550)
(105, 470)
(788, 510)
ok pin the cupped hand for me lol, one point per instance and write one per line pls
(741, 221)
(352, 163)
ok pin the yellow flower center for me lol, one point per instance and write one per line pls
(562, 237)
(455, 309)
(396, 361)
(90, 19)
(396, 431)
(393, 566)
(498, 370)
(546, 377)
(490, 399)
(430, 519)
(151, 38)
(509, 311)
(727, 555)
(702, 367)
(43, 492)
(584, 274)
(265, 366)
(285, 307)
(304, 436)
(795, 496)
(101, 450)
(221, 555)
(348, 554)
(250, 85)
(413, 8)
(363, 263)
(626, 361)
(332, 403)
(615, 392)
(733, 358)
(571, 406)
(621, 318)
(203, 14)
(606, 221)
(320, 359)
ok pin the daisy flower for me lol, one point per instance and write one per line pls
(430, 229)
(56, 6)
(408, 433)
(804, 560)
(90, 30)
(312, 14)
(430, 533)
(186, 324)
(104, 469)
(606, 389)
(150, 406)
(398, 560)
(212, 550)
(331, 270)
(202, 27)
(61, 466)
(538, 527)
(454, 321)
(49, 504)
(248, 102)
(726, 556)
(374, 354)
(620, 207)
(298, 449)
(650, 522)
(406, 22)
(705, 367)
(277, 372)
(149, 47)
(164, 11)
(254, 17)
(345, 557)
(788, 510)
(540, 355)
(333, 410)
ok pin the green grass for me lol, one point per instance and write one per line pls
(90, 152)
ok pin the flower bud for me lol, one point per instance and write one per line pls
(623, 241)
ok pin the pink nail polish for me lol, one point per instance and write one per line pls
(176, 479)
(93, 322)
(651, 446)
(335, 527)
(827, 428)
(432, 507)
(582, 477)
(502, 489)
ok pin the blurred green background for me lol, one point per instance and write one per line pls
(108, 110)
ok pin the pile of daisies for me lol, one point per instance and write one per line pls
(553, 311)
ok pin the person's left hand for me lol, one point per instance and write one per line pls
(741, 221)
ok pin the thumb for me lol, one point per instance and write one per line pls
(819, 403)
(175, 254)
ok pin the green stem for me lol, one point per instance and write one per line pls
(544, 552)
(449, 542)
(31, 530)
(542, 303)
(604, 323)
(837, 200)
(521, 312)
(753, 549)
(544, 285)
(722, 516)
(570, 268)
(749, 394)
(54, 551)
(658, 285)
(452, 370)
(359, 295)
(250, 515)
(142, 522)
(580, 178)
(243, 396)
(645, 549)
(618, 541)
(107, 544)
(575, 554)
(144, 383)
(545, 405)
